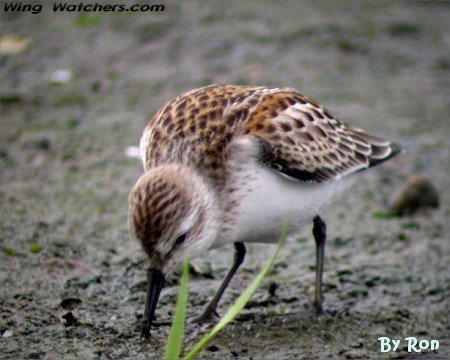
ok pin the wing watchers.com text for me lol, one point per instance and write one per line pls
(17, 6)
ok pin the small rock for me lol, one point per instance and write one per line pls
(133, 152)
(13, 45)
(7, 334)
(355, 354)
(213, 348)
(61, 76)
(273, 286)
(70, 303)
(196, 271)
(416, 193)
(70, 319)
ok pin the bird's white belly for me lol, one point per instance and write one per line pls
(270, 199)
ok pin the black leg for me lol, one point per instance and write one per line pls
(319, 232)
(210, 310)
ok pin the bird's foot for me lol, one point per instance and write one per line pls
(318, 309)
(145, 330)
(206, 317)
(341, 312)
(162, 323)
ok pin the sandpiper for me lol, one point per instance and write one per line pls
(228, 164)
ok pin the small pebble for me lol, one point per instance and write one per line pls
(70, 319)
(133, 152)
(416, 193)
(61, 76)
(213, 348)
(273, 286)
(7, 334)
(70, 303)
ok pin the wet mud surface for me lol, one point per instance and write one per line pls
(72, 283)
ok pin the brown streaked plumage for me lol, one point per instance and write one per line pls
(162, 204)
(149, 215)
(228, 163)
(298, 136)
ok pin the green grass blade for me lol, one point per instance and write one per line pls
(173, 346)
(240, 302)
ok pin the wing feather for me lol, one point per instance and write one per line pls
(301, 139)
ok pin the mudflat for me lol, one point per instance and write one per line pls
(78, 91)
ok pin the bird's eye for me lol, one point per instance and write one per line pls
(180, 239)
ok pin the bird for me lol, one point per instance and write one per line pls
(227, 164)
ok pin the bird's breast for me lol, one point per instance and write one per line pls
(263, 201)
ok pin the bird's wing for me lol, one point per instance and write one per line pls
(301, 139)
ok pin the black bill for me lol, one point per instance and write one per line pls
(155, 284)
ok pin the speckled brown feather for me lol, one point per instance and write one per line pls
(297, 135)
(152, 208)
(196, 127)
(157, 206)
(300, 138)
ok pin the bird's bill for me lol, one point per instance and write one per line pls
(155, 284)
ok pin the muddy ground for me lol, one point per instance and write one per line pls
(72, 281)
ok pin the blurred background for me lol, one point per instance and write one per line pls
(76, 92)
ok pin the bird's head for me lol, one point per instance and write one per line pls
(173, 213)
